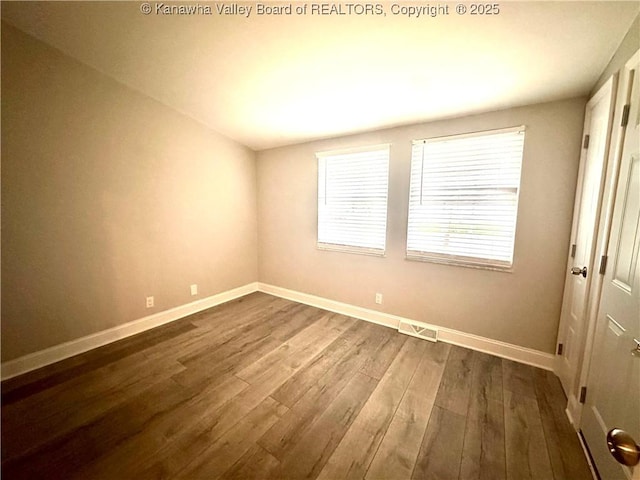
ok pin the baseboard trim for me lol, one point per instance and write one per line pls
(42, 358)
(32, 361)
(509, 351)
(567, 412)
(574, 411)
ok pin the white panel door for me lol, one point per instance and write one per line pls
(613, 388)
(574, 317)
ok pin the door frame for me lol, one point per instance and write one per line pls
(616, 142)
(592, 296)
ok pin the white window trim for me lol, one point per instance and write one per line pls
(478, 133)
(457, 261)
(334, 247)
(464, 261)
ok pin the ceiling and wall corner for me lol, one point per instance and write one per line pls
(268, 81)
(628, 46)
(108, 197)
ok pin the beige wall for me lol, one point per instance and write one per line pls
(107, 197)
(522, 307)
(629, 45)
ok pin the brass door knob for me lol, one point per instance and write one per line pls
(623, 447)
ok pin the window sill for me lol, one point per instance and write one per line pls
(373, 252)
(461, 262)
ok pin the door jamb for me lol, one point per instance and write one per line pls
(601, 233)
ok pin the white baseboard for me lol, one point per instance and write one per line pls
(56, 353)
(574, 411)
(567, 412)
(509, 351)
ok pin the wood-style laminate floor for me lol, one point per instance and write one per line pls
(266, 388)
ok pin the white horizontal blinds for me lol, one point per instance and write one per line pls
(464, 198)
(352, 200)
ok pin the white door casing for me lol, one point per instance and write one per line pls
(579, 291)
(613, 382)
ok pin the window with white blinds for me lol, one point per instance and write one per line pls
(352, 200)
(463, 199)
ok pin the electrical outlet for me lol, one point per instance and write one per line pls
(149, 302)
(379, 298)
(194, 289)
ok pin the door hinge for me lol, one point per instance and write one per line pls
(603, 264)
(585, 143)
(583, 394)
(625, 115)
(573, 251)
(560, 347)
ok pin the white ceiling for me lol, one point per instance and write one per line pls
(267, 81)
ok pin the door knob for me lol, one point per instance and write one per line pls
(623, 447)
(579, 271)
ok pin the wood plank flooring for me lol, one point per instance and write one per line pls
(265, 388)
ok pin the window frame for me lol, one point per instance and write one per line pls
(345, 248)
(463, 260)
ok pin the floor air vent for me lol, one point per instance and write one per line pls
(419, 330)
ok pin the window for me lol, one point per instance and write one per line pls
(352, 200)
(463, 198)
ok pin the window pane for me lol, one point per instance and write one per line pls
(464, 198)
(352, 200)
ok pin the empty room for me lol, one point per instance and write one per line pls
(307, 240)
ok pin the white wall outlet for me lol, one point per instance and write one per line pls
(379, 298)
(149, 302)
(194, 289)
